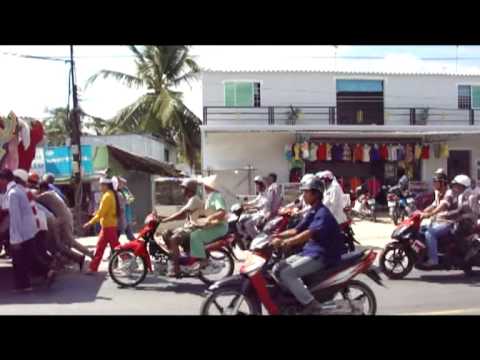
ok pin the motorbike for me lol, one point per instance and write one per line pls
(132, 261)
(335, 288)
(399, 206)
(365, 205)
(409, 250)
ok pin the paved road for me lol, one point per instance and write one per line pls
(433, 293)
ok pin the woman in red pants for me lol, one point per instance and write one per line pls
(107, 216)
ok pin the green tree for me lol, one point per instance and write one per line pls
(160, 70)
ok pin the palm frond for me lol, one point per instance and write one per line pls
(126, 79)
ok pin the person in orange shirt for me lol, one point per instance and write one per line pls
(107, 216)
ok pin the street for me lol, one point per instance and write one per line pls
(421, 293)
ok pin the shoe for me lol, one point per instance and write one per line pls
(313, 308)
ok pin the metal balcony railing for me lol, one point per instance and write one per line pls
(327, 115)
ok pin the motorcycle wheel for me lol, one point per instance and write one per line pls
(127, 269)
(239, 304)
(361, 291)
(219, 257)
(395, 256)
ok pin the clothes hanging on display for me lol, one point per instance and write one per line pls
(437, 149)
(296, 150)
(10, 161)
(7, 132)
(322, 152)
(375, 153)
(444, 151)
(288, 152)
(313, 152)
(418, 151)
(26, 155)
(409, 153)
(358, 153)
(337, 152)
(329, 152)
(366, 153)
(347, 152)
(305, 151)
(400, 153)
(426, 152)
(384, 152)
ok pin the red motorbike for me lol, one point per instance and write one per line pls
(131, 261)
(457, 251)
(256, 285)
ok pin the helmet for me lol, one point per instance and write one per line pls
(189, 184)
(106, 181)
(325, 175)
(463, 180)
(33, 177)
(440, 177)
(49, 177)
(306, 177)
(259, 179)
(440, 171)
(313, 183)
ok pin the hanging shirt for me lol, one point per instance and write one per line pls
(27, 154)
(305, 151)
(400, 152)
(337, 152)
(409, 153)
(329, 152)
(296, 152)
(366, 153)
(322, 152)
(374, 186)
(288, 152)
(313, 152)
(384, 152)
(418, 151)
(355, 182)
(436, 150)
(375, 153)
(425, 152)
(347, 153)
(444, 152)
(358, 153)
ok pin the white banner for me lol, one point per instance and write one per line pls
(38, 164)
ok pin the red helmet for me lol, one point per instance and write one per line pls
(33, 177)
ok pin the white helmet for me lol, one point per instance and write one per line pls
(325, 175)
(463, 180)
(259, 179)
(306, 178)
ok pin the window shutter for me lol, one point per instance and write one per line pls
(229, 94)
(476, 97)
(244, 94)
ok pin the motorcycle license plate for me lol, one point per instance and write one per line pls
(391, 204)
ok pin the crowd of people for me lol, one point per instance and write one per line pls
(37, 226)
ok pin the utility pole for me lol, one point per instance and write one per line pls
(75, 146)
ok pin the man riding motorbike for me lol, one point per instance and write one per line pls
(191, 212)
(250, 220)
(320, 233)
(300, 206)
(450, 209)
(333, 196)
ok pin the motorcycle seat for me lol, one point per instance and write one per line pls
(346, 261)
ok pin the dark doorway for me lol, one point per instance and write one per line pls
(459, 162)
(359, 108)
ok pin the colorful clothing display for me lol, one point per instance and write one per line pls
(288, 152)
(444, 151)
(347, 152)
(400, 153)
(366, 153)
(358, 153)
(375, 153)
(418, 151)
(26, 154)
(329, 152)
(409, 153)
(296, 152)
(337, 152)
(305, 151)
(384, 152)
(313, 152)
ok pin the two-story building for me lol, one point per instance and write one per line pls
(414, 121)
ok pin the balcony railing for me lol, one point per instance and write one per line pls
(327, 115)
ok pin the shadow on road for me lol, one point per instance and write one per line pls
(179, 288)
(69, 288)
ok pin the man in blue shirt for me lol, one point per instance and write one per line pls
(323, 245)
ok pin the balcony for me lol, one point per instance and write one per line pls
(327, 115)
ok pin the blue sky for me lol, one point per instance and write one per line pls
(28, 87)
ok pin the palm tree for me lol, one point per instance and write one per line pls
(160, 70)
(57, 126)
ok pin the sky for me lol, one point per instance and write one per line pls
(29, 87)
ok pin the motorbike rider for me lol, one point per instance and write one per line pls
(453, 207)
(440, 186)
(299, 205)
(249, 221)
(191, 212)
(333, 197)
(320, 233)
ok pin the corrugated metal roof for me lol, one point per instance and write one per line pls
(348, 72)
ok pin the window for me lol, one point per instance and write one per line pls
(166, 155)
(464, 97)
(241, 93)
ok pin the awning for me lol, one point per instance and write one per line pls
(134, 162)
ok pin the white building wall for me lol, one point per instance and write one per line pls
(224, 153)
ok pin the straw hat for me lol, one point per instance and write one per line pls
(211, 182)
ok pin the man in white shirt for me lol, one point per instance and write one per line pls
(22, 232)
(248, 221)
(273, 195)
(333, 197)
(191, 212)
